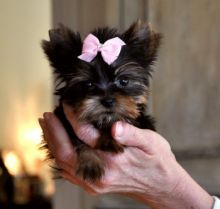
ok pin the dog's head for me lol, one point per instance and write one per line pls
(102, 93)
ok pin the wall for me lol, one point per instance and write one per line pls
(186, 85)
(25, 79)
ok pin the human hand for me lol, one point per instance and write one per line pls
(146, 170)
(84, 131)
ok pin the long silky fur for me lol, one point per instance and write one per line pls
(84, 86)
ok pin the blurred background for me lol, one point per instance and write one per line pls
(185, 91)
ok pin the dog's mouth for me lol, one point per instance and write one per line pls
(93, 112)
(106, 119)
(109, 113)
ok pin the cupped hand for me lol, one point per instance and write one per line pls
(146, 170)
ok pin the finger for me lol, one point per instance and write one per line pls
(129, 135)
(74, 180)
(58, 140)
(70, 178)
(86, 132)
(43, 127)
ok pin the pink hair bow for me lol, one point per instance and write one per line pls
(110, 50)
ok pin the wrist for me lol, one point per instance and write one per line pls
(189, 194)
(186, 194)
(216, 204)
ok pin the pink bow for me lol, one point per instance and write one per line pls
(110, 50)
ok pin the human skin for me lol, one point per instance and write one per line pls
(146, 171)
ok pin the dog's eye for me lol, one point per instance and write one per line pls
(89, 84)
(123, 82)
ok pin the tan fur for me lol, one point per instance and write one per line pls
(90, 165)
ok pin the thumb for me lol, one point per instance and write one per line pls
(132, 136)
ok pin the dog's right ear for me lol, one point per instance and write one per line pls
(62, 49)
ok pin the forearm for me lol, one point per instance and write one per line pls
(187, 194)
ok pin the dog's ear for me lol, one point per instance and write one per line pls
(62, 49)
(142, 40)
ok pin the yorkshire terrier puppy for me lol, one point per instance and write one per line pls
(105, 79)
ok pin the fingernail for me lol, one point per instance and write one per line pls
(47, 115)
(41, 122)
(119, 130)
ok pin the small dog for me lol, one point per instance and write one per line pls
(104, 79)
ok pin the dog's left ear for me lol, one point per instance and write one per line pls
(142, 39)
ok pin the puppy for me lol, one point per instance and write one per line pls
(104, 79)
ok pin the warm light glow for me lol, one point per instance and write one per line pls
(29, 138)
(12, 163)
(32, 134)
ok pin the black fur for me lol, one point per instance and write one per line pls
(99, 93)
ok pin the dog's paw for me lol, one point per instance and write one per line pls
(90, 171)
(110, 145)
(90, 166)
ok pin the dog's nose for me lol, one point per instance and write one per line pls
(108, 102)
